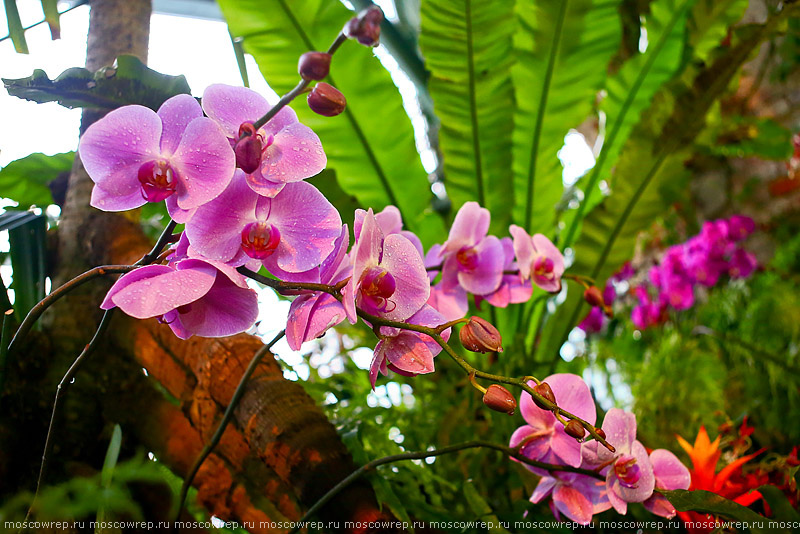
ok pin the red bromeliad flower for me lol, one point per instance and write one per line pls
(728, 482)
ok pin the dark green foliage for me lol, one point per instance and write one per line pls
(128, 82)
(26, 180)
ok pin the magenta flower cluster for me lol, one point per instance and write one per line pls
(238, 188)
(630, 473)
(702, 260)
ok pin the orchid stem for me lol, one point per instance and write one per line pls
(60, 390)
(298, 89)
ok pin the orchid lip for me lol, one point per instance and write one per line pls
(467, 258)
(627, 471)
(260, 239)
(158, 180)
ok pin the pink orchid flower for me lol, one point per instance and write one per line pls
(406, 352)
(389, 277)
(576, 496)
(471, 258)
(629, 473)
(543, 438)
(670, 474)
(513, 289)
(194, 297)
(293, 231)
(282, 151)
(538, 259)
(311, 314)
(135, 155)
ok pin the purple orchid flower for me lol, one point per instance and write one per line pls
(451, 302)
(670, 474)
(135, 155)
(513, 289)
(294, 231)
(280, 152)
(740, 226)
(469, 256)
(543, 438)
(629, 473)
(389, 277)
(194, 297)
(538, 259)
(406, 352)
(594, 321)
(576, 496)
(311, 314)
(742, 264)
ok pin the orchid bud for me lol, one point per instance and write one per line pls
(326, 100)
(599, 432)
(594, 297)
(545, 391)
(574, 429)
(314, 65)
(500, 399)
(366, 27)
(479, 335)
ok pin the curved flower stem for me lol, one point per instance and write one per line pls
(165, 238)
(50, 299)
(298, 89)
(523, 384)
(60, 390)
(435, 333)
(280, 285)
(226, 417)
(352, 477)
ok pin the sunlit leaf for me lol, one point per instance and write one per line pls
(468, 49)
(371, 144)
(563, 50)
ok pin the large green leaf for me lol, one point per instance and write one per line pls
(128, 82)
(370, 145)
(467, 46)
(652, 158)
(25, 180)
(631, 90)
(563, 50)
(710, 503)
(708, 24)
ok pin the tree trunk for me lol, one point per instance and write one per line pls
(279, 454)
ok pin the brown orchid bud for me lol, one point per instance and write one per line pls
(479, 335)
(545, 391)
(594, 297)
(574, 429)
(599, 432)
(248, 148)
(366, 27)
(500, 399)
(326, 100)
(314, 65)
